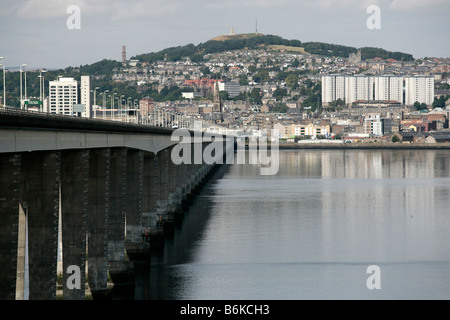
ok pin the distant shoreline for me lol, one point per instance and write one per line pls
(360, 146)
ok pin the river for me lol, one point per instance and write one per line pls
(312, 230)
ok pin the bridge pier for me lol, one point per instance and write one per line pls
(175, 188)
(98, 221)
(10, 164)
(120, 269)
(107, 185)
(136, 248)
(40, 197)
(163, 204)
(74, 215)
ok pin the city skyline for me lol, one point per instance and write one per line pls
(37, 32)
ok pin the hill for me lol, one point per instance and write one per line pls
(257, 41)
(236, 36)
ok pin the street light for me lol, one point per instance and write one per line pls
(127, 109)
(42, 87)
(21, 96)
(121, 106)
(113, 100)
(4, 84)
(95, 95)
(104, 98)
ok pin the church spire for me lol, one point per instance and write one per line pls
(217, 103)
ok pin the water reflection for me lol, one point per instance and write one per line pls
(310, 231)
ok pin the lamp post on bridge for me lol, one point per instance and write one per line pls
(104, 103)
(4, 84)
(21, 96)
(121, 107)
(95, 95)
(42, 88)
(113, 100)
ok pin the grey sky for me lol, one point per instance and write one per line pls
(35, 31)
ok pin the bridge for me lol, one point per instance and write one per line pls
(112, 187)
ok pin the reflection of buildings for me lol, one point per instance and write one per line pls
(377, 203)
(351, 164)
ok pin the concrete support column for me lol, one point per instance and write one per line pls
(194, 168)
(151, 191)
(74, 211)
(135, 245)
(21, 253)
(189, 185)
(174, 185)
(9, 222)
(98, 221)
(187, 180)
(154, 188)
(40, 195)
(120, 270)
(147, 185)
(163, 170)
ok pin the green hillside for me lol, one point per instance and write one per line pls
(256, 41)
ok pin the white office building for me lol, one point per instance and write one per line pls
(352, 88)
(358, 88)
(373, 125)
(420, 89)
(67, 98)
(333, 88)
(232, 87)
(388, 88)
(85, 96)
(63, 95)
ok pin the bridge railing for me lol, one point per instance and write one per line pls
(155, 118)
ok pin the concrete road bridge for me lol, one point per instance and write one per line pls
(111, 187)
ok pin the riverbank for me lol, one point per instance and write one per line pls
(356, 146)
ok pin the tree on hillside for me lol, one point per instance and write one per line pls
(255, 96)
(243, 81)
(419, 106)
(292, 81)
(279, 93)
(261, 76)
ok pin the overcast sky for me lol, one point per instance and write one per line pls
(35, 32)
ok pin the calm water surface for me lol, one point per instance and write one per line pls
(311, 231)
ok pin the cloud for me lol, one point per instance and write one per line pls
(334, 4)
(43, 9)
(394, 5)
(416, 5)
(260, 4)
(114, 9)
